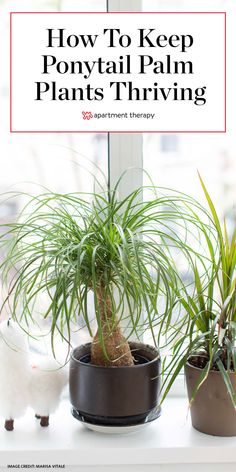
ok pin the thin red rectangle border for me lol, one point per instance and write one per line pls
(122, 13)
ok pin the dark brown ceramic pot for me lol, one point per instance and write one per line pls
(212, 411)
(119, 396)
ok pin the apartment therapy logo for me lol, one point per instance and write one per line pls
(145, 39)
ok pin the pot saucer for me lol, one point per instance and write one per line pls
(117, 429)
(114, 429)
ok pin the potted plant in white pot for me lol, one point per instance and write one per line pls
(74, 245)
(208, 344)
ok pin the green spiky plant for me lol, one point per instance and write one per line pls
(71, 245)
(208, 341)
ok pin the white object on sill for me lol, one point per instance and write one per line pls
(168, 440)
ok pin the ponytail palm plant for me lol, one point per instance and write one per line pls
(70, 246)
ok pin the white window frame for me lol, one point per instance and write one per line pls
(125, 150)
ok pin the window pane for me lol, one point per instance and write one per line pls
(185, 5)
(53, 160)
(172, 160)
(59, 162)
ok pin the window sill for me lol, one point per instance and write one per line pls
(169, 440)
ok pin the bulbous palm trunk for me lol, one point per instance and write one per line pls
(117, 348)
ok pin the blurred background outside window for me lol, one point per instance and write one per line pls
(59, 162)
